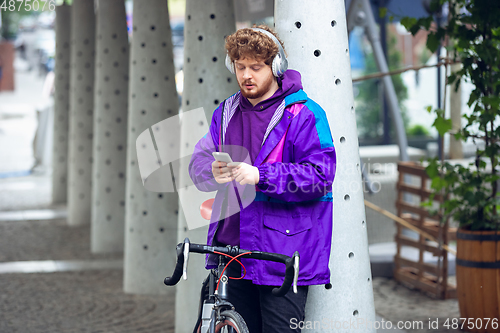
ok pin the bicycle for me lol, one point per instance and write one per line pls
(216, 313)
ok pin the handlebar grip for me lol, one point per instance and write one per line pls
(287, 282)
(176, 276)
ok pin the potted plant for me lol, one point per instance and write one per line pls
(473, 201)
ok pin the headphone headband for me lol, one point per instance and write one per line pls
(276, 41)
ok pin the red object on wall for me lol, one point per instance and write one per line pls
(7, 64)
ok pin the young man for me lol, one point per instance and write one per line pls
(283, 154)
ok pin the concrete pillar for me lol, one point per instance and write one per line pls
(316, 40)
(151, 218)
(110, 128)
(456, 149)
(207, 82)
(61, 105)
(81, 111)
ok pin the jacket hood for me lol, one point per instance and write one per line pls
(290, 82)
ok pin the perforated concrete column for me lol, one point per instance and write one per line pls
(81, 111)
(207, 82)
(61, 105)
(110, 128)
(316, 40)
(151, 218)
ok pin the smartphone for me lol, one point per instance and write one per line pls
(222, 157)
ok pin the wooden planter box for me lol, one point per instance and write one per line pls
(427, 277)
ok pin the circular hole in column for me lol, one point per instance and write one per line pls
(145, 247)
(216, 102)
(298, 24)
(352, 109)
(355, 313)
(144, 213)
(317, 53)
(153, 61)
(153, 27)
(162, 229)
(200, 80)
(160, 196)
(363, 223)
(214, 59)
(351, 255)
(200, 38)
(342, 139)
(368, 280)
(328, 286)
(337, 82)
(347, 197)
(212, 16)
(189, 17)
(333, 23)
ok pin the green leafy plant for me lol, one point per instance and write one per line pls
(471, 192)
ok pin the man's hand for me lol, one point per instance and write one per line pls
(221, 172)
(244, 173)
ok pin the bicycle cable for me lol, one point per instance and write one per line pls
(227, 265)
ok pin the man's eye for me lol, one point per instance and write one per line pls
(256, 68)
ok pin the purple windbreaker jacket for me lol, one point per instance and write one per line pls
(292, 208)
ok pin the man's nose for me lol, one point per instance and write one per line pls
(246, 73)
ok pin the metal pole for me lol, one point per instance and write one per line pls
(361, 13)
(383, 102)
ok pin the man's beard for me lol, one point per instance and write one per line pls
(257, 91)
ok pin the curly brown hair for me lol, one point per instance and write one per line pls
(248, 43)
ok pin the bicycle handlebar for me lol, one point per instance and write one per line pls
(291, 263)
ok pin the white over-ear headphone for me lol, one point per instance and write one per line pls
(279, 64)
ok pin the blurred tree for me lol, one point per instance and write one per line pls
(368, 101)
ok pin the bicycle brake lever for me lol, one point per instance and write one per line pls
(296, 259)
(186, 258)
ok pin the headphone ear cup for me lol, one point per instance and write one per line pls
(229, 64)
(276, 66)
